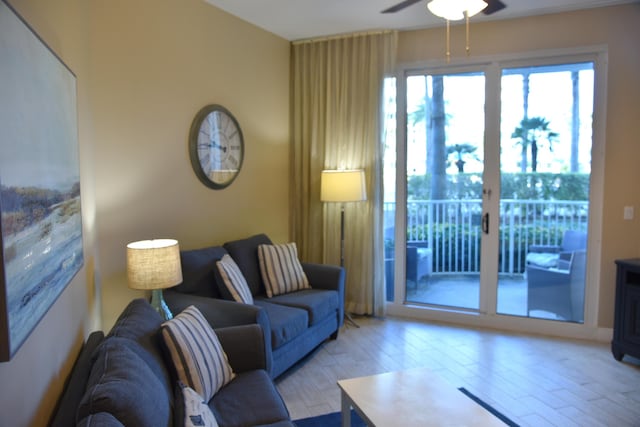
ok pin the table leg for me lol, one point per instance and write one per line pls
(346, 409)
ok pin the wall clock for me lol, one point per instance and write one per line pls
(216, 146)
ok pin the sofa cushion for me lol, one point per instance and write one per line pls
(198, 271)
(122, 384)
(280, 269)
(250, 399)
(234, 281)
(191, 409)
(245, 253)
(76, 383)
(140, 323)
(286, 322)
(101, 419)
(197, 355)
(318, 303)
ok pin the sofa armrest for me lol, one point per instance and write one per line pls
(330, 277)
(244, 347)
(222, 313)
(324, 276)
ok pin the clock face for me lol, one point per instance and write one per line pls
(216, 146)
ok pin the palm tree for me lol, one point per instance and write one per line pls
(461, 150)
(530, 133)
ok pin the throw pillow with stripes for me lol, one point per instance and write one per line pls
(281, 270)
(234, 280)
(196, 411)
(196, 353)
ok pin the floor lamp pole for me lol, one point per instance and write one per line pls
(347, 316)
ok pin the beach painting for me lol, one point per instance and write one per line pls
(41, 233)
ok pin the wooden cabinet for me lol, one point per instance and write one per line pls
(626, 328)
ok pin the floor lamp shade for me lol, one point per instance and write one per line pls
(342, 186)
(154, 265)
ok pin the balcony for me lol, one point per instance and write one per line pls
(444, 240)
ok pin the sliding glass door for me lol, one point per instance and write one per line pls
(445, 137)
(545, 165)
(494, 189)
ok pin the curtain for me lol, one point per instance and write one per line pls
(337, 88)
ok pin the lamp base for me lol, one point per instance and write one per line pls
(348, 318)
(157, 302)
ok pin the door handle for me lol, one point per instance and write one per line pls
(485, 223)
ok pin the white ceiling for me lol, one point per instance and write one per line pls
(302, 19)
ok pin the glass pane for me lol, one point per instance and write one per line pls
(445, 136)
(545, 159)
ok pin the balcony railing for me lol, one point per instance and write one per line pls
(451, 230)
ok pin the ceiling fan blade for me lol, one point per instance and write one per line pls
(400, 6)
(493, 6)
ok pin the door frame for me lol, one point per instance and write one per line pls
(487, 316)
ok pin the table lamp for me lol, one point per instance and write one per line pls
(342, 186)
(154, 265)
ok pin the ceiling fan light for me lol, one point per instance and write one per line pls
(454, 10)
(448, 10)
(473, 7)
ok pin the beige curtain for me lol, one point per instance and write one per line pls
(337, 112)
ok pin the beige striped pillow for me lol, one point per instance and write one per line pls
(281, 270)
(196, 353)
(234, 280)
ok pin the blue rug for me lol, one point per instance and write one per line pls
(334, 420)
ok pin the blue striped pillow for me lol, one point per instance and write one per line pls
(281, 270)
(234, 280)
(196, 353)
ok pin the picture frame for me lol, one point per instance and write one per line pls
(40, 211)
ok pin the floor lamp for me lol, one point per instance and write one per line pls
(342, 186)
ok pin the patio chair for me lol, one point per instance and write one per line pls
(419, 261)
(548, 255)
(558, 290)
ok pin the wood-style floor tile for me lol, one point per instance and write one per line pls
(535, 381)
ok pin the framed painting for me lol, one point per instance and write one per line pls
(41, 220)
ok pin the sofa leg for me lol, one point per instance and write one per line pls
(334, 336)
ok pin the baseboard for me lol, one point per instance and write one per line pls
(502, 322)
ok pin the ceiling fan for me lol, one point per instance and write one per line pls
(492, 6)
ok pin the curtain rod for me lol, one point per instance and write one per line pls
(341, 36)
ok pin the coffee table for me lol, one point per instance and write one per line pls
(416, 397)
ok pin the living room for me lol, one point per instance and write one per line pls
(144, 68)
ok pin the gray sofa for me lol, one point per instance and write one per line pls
(293, 324)
(126, 379)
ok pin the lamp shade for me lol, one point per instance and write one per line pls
(154, 264)
(453, 10)
(342, 186)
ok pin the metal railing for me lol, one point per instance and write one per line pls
(451, 229)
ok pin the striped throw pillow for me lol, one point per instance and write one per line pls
(281, 270)
(196, 411)
(196, 353)
(234, 280)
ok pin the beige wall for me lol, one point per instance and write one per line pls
(154, 64)
(31, 382)
(144, 68)
(616, 27)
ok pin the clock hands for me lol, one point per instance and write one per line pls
(213, 144)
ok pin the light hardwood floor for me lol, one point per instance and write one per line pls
(534, 380)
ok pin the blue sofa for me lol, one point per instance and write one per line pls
(293, 324)
(126, 379)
